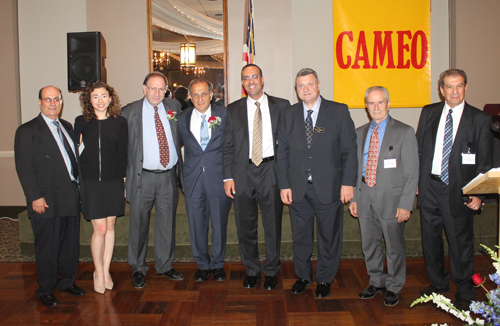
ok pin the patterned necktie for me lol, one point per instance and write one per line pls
(257, 136)
(203, 132)
(309, 128)
(447, 144)
(162, 140)
(372, 161)
(69, 151)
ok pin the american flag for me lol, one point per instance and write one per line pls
(248, 39)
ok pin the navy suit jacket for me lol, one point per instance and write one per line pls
(42, 171)
(195, 159)
(474, 132)
(331, 158)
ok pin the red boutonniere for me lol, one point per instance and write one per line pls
(214, 121)
(171, 115)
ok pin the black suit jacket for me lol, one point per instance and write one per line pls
(474, 132)
(331, 158)
(195, 159)
(42, 171)
(236, 144)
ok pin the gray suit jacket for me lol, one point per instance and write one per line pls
(133, 113)
(395, 187)
(331, 158)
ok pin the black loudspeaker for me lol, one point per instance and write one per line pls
(86, 53)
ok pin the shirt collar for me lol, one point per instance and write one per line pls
(382, 125)
(207, 113)
(47, 119)
(315, 107)
(251, 101)
(457, 110)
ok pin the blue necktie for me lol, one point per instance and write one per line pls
(203, 132)
(69, 151)
(447, 144)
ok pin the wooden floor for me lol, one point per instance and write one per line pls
(165, 302)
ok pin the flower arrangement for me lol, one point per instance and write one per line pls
(489, 310)
(214, 121)
(171, 115)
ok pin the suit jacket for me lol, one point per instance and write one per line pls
(474, 132)
(331, 158)
(195, 159)
(42, 171)
(236, 144)
(133, 113)
(396, 187)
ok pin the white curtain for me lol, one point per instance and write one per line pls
(173, 15)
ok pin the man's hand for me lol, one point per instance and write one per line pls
(286, 196)
(403, 215)
(346, 194)
(475, 203)
(39, 205)
(229, 188)
(353, 208)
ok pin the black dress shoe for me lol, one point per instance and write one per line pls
(75, 290)
(432, 289)
(251, 281)
(462, 304)
(138, 281)
(299, 286)
(173, 275)
(370, 292)
(219, 274)
(201, 275)
(49, 300)
(391, 299)
(270, 283)
(322, 290)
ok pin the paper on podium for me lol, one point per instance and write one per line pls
(488, 183)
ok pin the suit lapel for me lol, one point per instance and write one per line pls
(274, 113)
(47, 138)
(187, 123)
(384, 147)
(216, 129)
(435, 118)
(243, 115)
(465, 124)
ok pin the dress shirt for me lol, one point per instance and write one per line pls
(315, 108)
(196, 123)
(438, 150)
(382, 126)
(267, 131)
(60, 144)
(151, 148)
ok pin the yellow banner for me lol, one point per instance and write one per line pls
(382, 43)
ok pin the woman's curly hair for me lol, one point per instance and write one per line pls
(114, 108)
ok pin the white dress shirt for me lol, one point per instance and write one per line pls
(196, 123)
(267, 130)
(438, 150)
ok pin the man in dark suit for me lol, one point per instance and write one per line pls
(250, 175)
(202, 131)
(46, 165)
(153, 174)
(384, 194)
(454, 145)
(317, 168)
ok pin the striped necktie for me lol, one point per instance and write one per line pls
(203, 132)
(447, 144)
(257, 136)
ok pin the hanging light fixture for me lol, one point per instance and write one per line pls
(161, 61)
(188, 57)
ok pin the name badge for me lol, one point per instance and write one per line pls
(468, 158)
(319, 129)
(390, 163)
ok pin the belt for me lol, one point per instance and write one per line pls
(436, 177)
(156, 171)
(264, 160)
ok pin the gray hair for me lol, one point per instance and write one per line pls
(377, 88)
(304, 72)
(201, 80)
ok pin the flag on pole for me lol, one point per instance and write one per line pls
(248, 39)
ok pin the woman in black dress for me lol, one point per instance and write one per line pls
(102, 136)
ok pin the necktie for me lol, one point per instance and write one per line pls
(309, 128)
(203, 132)
(69, 151)
(162, 140)
(447, 143)
(257, 136)
(372, 161)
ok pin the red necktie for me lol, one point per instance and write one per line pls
(371, 162)
(162, 140)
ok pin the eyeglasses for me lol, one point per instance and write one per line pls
(155, 89)
(202, 95)
(250, 77)
(48, 99)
